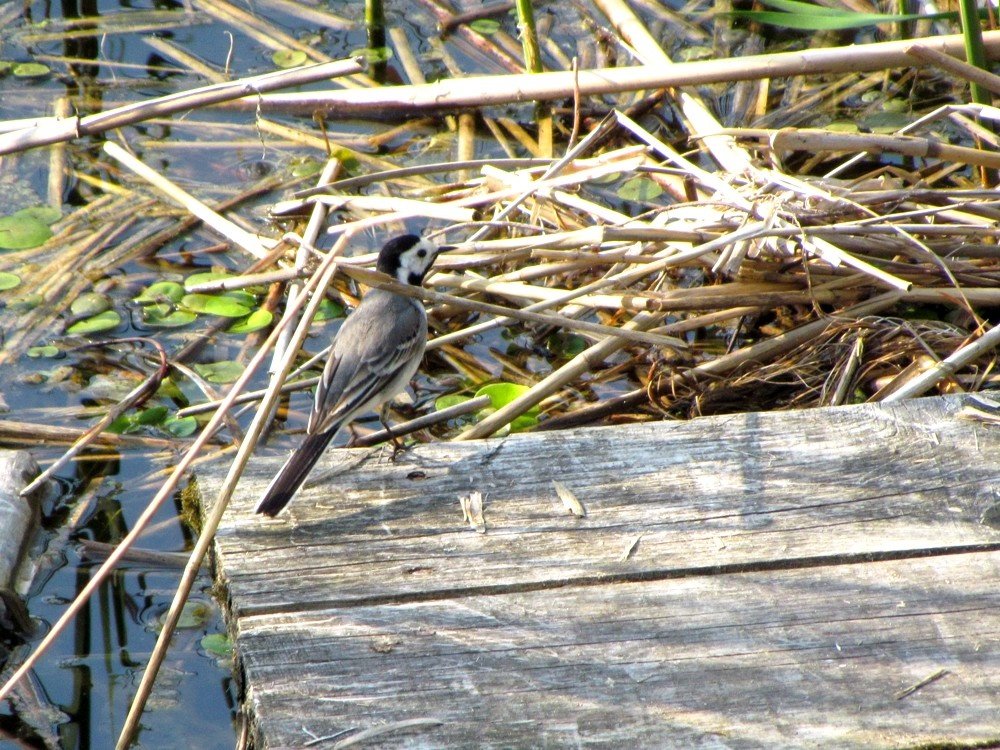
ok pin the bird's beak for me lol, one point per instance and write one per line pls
(445, 248)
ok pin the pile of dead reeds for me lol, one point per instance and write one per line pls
(745, 285)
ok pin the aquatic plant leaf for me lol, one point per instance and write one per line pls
(48, 350)
(89, 304)
(255, 321)
(104, 321)
(449, 400)
(45, 214)
(152, 415)
(30, 70)
(485, 26)
(209, 304)
(502, 394)
(328, 310)
(22, 231)
(204, 277)
(217, 644)
(225, 371)
(160, 291)
(640, 189)
(289, 58)
(181, 426)
(164, 316)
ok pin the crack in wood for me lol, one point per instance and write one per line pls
(755, 566)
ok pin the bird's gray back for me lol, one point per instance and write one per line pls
(380, 343)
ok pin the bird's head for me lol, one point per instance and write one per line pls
(408, 258)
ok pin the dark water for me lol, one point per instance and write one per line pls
(80, 692)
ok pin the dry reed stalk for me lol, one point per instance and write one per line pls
(313, 15)
(926, 380)
(168, 49)
(58, 283)
(505, 58)
(557, 380)
(136, 396)
(73, 128)
(173, 20)
(723, 149)
(762, 351)
(482, 91)
(315, 291)
(239, 237)
(403, 207)
(380, 281)
(259, 29)
(956, 67)
(811, 140)
(33, 433)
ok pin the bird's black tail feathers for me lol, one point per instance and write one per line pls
(291, 476)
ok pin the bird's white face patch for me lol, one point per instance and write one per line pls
(415, 262)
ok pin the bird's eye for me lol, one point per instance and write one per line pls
(421, 253)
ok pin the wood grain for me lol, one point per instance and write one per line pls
(739, 581)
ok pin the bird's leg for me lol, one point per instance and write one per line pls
(397, 445)
(353, 436)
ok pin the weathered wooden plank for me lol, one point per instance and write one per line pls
(805, 658)
(724, 493)
(19, 518)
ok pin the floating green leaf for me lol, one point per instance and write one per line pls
(328, 310)
(21, 231)
(305, 167)
(25, 303)
(289, 58)
(448, 400)
(253, 322)
(695, 52)
(8, 281)
(217, 644)
(244, 298)
(165, 316)
(181, 426)
(204, 277)
(485, 26)
(566, 345)
(886, 122)
(373, 55)
(810, 17)
(502, 394)
(161, 291)
(45, 214)
(43, 351)
(121, 424)
(209, 304)
(843, 126)
(104, 321)
(193, 615)
(152, 415)
(640, 189)
(220, 372)
(89, 304)
(30, 70)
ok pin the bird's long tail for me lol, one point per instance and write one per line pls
(291, 476)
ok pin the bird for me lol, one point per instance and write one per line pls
(375, 353)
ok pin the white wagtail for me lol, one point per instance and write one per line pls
(374, 355)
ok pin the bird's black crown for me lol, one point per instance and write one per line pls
(388, 257)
